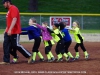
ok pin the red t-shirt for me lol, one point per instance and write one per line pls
(13, 12)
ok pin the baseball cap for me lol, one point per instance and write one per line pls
(5, 1)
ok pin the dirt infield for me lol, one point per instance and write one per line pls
(80, 67)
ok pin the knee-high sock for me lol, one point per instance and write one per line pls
(65, 55)
(40, 55)
(50, 53)
(34, 56)
(69, 54)
(77, 54)
(48, 57)
(85, 53)
(59, 56)
(15, 59)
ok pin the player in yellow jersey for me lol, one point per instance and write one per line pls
(79, 40)
(60, 44)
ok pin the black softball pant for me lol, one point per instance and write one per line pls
(60, 47)
(13, 41)
(81, 45)
(36, 45)
(66, 45)
(48, 48)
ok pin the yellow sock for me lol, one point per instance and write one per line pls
(85, 53)
(50, 53)
(77, 54)
(69, 54)
(40, 55)
(48, 57)
(34, 56)
(59, 56)
(15, 59)
(65, 55)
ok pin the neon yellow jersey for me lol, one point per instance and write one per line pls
(75, 32)
(55, 35)
(56, 31)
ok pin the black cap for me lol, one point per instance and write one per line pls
(5, 1)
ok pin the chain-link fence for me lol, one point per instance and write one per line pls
(89, 22)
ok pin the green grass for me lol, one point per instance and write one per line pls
(90, 31)
(59, 6)
(83, 31)
(2, 31)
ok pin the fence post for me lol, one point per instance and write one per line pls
(40, 20)
(82, 22)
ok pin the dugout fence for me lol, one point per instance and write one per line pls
(87, 21)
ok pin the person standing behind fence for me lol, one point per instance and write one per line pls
(11, 35)
(79, 40)
(67, 39)
(34, 33)
(48, 41)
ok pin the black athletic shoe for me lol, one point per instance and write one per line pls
(72, 59)
(42, 60)
(33, 61)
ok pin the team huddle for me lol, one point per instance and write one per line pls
(58, 34)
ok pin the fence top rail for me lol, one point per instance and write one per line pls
(56, 14)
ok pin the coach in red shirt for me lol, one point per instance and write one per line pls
(12, 31)
(13, 21)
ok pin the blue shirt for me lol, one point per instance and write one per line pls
(67, 36)
(32, 32)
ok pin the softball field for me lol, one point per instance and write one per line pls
(79, 67)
